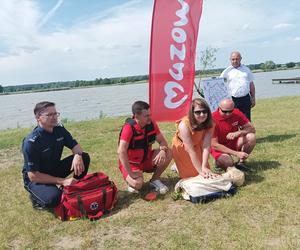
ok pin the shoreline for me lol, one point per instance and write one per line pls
(74, 122)
(127, 83)
(71, 88)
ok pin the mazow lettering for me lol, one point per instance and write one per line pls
(177, 51)
(172, 57)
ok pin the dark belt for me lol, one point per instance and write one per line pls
(240, 97)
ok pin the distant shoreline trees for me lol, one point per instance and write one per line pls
(72, 84)
(266, 66)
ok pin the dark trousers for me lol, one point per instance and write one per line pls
(243, 104)
(48, 195)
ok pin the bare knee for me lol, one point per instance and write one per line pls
(224, 161)
(251, 139)
(167, 159)
(135, 183)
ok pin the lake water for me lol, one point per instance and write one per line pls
(91, 103)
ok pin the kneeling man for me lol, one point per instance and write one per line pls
(43, 168)
(234, 135)
(135, 150)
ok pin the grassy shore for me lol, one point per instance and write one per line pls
(202, 75)
(264, 214)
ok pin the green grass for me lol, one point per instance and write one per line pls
(264, 214)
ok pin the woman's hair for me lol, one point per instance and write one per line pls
(194, 123)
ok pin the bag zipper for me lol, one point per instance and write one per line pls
(83, 191)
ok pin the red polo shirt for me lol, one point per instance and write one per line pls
(227, 124)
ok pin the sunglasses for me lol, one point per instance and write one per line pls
(226, 111)
(199, 112)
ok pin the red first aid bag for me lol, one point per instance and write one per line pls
(90, 197)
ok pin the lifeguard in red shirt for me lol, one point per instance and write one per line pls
(135, 150)
(234, 135)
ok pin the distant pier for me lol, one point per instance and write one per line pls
(286, 80)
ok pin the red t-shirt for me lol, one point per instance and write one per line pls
(127, 133)
(227, 124)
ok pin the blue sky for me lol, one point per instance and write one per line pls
(60, 40)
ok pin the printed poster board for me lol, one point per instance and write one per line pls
(215, 90)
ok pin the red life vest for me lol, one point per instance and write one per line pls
(139, 143)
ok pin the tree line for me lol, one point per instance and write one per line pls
(266, 66)
(72, 84)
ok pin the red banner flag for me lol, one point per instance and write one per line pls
(172, 57)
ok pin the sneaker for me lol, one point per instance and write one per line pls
(174, 168)
(241, 166)
(132, 190)
(159, 186)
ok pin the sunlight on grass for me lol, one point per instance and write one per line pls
(264, 214)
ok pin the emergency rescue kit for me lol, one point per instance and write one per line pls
(91, 197)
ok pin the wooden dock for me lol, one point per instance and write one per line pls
(286, 80)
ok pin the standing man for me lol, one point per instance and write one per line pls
(240, 84)
(42, 149)
(234, 135)
(135, 150)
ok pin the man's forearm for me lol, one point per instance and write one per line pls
(77, 150)
(252, 90)
(222, 148)
(125, 162)
(39, 177)
(247, 129)
(161, 141)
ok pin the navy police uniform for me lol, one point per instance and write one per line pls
(42, 152)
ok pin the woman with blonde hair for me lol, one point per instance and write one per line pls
(191, 143)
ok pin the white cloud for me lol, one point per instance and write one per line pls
(282, 25)
(115, 42)
(18, 27)
(99, 48)
(226, 23)
(248, 26)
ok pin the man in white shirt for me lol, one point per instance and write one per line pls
(240, 84)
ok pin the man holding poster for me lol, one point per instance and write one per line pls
(240, 83)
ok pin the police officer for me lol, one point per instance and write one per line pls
(43, 169)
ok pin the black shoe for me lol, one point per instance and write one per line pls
(241, 166)
(35, 204)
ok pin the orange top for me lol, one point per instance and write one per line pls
(182, 159)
